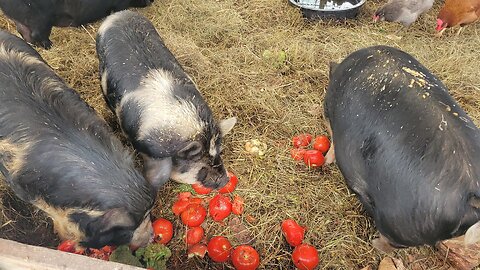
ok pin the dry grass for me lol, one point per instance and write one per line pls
(221, 45)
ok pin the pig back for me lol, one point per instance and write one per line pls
(404, 146)
(53, 146)
(128, 48)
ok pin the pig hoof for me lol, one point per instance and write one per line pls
(46, 44)
(382, 244)
(330, 156)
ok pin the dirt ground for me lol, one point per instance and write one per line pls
(233, 50)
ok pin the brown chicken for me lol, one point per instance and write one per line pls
(457, 13)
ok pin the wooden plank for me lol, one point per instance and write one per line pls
(14, 255)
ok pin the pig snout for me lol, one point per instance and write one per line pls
(142, 235)
(212, 178)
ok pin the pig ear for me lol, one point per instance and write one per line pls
(157, 171)
(226, 125)
(472, 235)
(333, 66)
(116, 217)
(190, 151)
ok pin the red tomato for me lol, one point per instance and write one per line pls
(219, 249)
(302, 140)
(305, 257)
(321, 143)
(184, 195)
(70, 246)
(293, 232)
(220, 207)
(231, 185)
(197, 250)
(194, 235)
(195, 201)
(108, 249)
(237, 205)
(245, 258)
(313, 158)
(162, 230)
(297, 153)
(179, 206)
(200, 189)
(194, 215)
(98, 254)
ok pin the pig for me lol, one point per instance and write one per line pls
(59, 155)
(35, 18)
(157, 105)
(405, 147)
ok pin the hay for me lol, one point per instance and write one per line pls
(222, 46)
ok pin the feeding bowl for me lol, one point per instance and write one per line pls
(328, 9)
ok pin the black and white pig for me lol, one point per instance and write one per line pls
(158, 106)
(59, 155)
(405, 147)
(35, 18)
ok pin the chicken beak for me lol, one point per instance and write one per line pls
(440, 33)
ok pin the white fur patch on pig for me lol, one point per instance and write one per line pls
(110, 21)
(188, 177)
(213, 149)
(161, 110)
(104, 82)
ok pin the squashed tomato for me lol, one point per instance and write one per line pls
(195, 201)
(193, 235)
(194, 215)
(162, 230)
(245, 258)
(98, 254)
(200, 189)
(231, 185)
(179, 206)
(297, 153)
(293, 232)
(237, 205)
(220, 207)
(321, 143)
(197, 250)
(313, 158)
(219, 249)
(70, 246)
(184, 195)
(305, 257)
(301, 140)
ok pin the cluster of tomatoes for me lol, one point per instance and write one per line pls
(193, 213)
(312, 157)
(304, 256)
(71, 247)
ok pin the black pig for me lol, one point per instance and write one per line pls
(56, 153)
(35, 18)
(405, 147)
(158, 106)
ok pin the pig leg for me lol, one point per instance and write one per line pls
(330, 155)
(472, 235)
(157, 171)
(382, 244)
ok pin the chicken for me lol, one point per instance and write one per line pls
(457, 13)
(402, 11)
